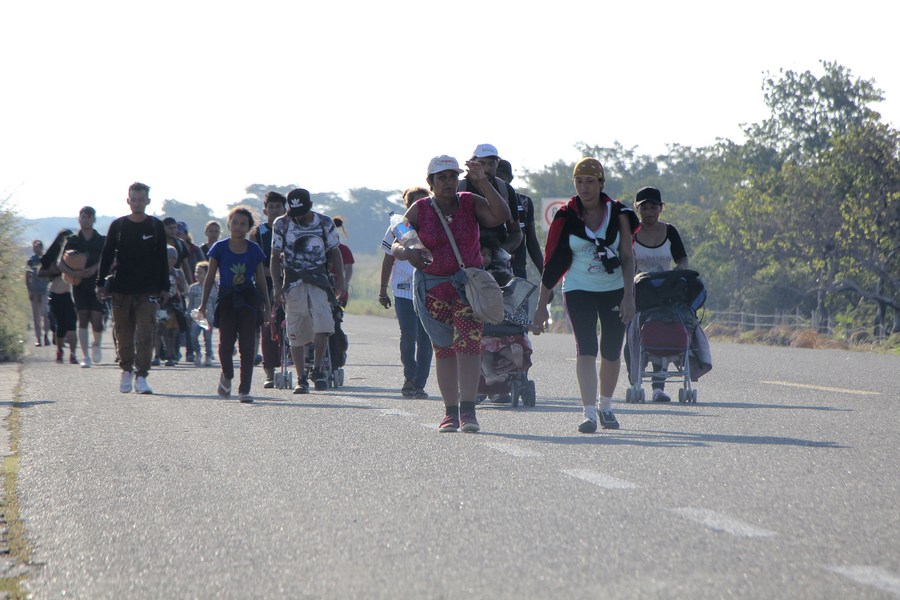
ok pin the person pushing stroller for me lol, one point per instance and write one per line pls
(304, 244)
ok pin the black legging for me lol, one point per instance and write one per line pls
(584, 309)
(237, 326)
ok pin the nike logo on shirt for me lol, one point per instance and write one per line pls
(147, 237)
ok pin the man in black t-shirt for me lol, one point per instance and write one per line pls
(89, 243)
(530, 244)
(137, 244)
(509, 234)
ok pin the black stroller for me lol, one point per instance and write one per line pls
(661, 332)
(506, 349)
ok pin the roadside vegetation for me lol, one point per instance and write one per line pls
(15, 311)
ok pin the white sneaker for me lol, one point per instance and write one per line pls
(141, 387)
(86, 362)
(208, 362)
(125, 383)
(96, 354)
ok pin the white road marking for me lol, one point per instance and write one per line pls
(822, 388)
(512, 450)
(391, 412)
(600, 479)
(873, 576)
(719, 522)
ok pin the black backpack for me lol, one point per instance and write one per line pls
(668, 288)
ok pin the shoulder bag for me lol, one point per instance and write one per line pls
(481, 289)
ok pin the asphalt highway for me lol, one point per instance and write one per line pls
(781, 482)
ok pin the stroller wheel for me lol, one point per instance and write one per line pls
(694, 396)
(642, 396)
(340, 377)
(682, 395)
(529, 394)
(515, 390)
(629, 396)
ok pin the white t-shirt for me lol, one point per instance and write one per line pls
(402, 272)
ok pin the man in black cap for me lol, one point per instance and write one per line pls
(304, 242)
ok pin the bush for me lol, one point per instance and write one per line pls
(719, 330)
(14, 306)
(778, 336)
(805, 338)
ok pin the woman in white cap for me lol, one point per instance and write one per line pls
(590, 244)
(455, 331)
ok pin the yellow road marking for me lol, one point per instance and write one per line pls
(823, 388)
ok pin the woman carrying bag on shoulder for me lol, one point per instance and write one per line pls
(454, 330)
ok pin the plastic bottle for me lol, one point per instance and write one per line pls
(201, 321)
(408, 236)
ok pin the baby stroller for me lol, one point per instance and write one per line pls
(661, 332)
(506, 349)
(335, 352)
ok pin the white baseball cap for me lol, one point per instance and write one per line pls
(443, 163)
(483, 150)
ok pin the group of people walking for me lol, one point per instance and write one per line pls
(288, 277)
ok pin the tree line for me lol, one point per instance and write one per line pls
(803, 216)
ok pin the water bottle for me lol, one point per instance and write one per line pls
(408, 236)
(201, 321)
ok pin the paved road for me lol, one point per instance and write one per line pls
(782, 482)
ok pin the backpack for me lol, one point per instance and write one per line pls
(667, 288)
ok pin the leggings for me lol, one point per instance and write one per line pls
(237, 326)
(584, 309)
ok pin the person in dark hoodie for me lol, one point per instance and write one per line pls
(590, 244)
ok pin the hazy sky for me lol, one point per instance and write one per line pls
(201, 99)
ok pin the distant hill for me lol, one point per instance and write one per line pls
(46, 229)
(365, 216)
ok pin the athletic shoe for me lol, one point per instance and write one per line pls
(420, 394)
(170, 363)
(198, 361)
(270, 379)
(208, 362)
(141, 387)
(319, 380)
(245, 398)
(155, 362)
(469, 422)
(608, 420)
(660, 396)
(86, 362)
(73, 360)
(302, 387)
(59, 356)
(125, 383)
(587, 426)
(38, 343)
(449, 424)
(96, 353)
(408, 390)
(224, 386)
